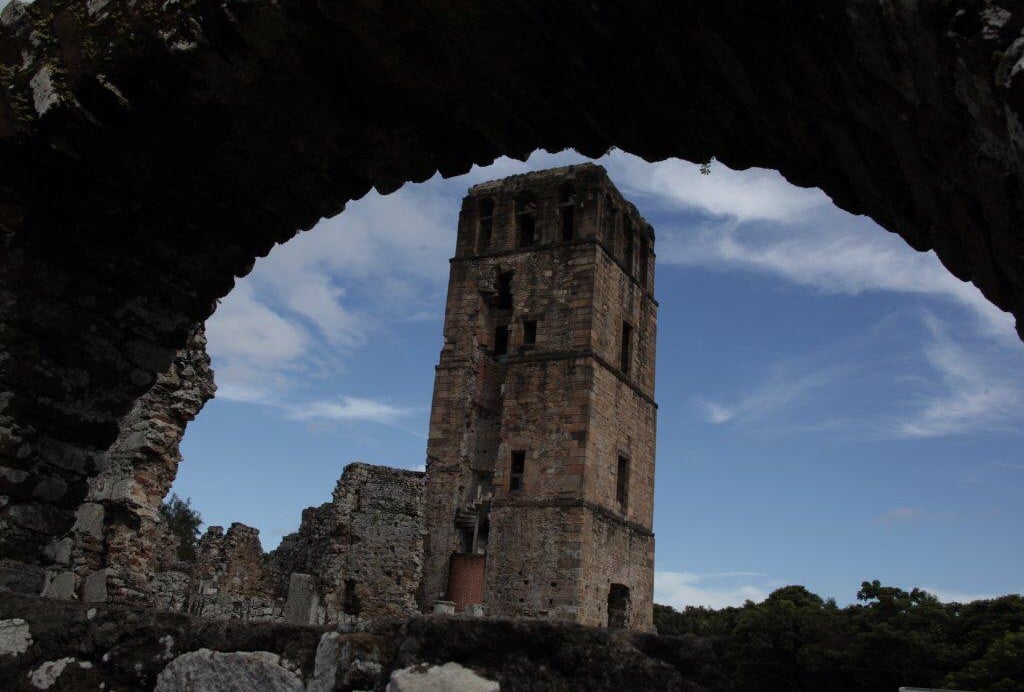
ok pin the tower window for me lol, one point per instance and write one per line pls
(645, 258)
(505, 290)
(610, 214)
(625, 348)
(627, 249)
(529, 332)
(501, 340)
(567, 210)
(486, 221)
(518, 466)
(526, 221)
(622, 483)
(568, 222)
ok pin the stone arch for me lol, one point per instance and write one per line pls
(149, 155)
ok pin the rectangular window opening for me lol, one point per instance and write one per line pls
(515, 476)
(625, 348)
(645, 252)
(529, 332)
(568, 221)
(622, 483)
(501, 340)
(504, 290)
(484, 241)
(627, 253)
(527, 229)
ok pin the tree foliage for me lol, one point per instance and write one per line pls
(795, 640)
(183, 522)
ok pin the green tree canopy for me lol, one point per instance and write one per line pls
(794, 640)
(183, 522)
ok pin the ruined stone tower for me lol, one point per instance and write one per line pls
(540, 462)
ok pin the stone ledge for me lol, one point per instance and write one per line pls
(136, 649)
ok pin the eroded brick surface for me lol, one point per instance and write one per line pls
(541, 451)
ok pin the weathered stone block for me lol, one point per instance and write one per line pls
(303, 600)
(243, 671)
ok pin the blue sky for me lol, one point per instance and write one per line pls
(835, 407)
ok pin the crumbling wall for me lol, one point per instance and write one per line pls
(364, 549)
(358, 556)
(119, 540)
(231, 579)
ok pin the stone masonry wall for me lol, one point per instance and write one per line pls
(118, 540)
(611, 553)
(539, 569)
(558, 261)
(358, 556)
(364, 549)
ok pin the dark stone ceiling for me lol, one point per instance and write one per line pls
(151, 150)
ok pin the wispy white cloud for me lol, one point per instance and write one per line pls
(756, 221)
(919, 515)
(750, 195)
(720, 590)
(348, 408)
(253, 347)
(783, 387)
(954, 596)
(973, 392)
(843, 255)
(307, 305)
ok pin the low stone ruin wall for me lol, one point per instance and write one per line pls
(355, 557)
(49, 644)
(364, 549)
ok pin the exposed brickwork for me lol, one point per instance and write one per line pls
(231, 562)
(536, 400)
(119, 539)
(466, 580)
(364, 548)
(358, 556)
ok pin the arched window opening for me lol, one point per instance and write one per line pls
(486, 225)
(567, 211)
(526, 220)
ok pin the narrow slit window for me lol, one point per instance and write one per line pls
(486, 225)
(501, 340)
(529, 332)
(626, 348)
(610, 219)
(504, 290)
(518, 466)
(645, 258)
(627, 249)
(526, 221)
(567, 211)
(568, 223)
(622, 483)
